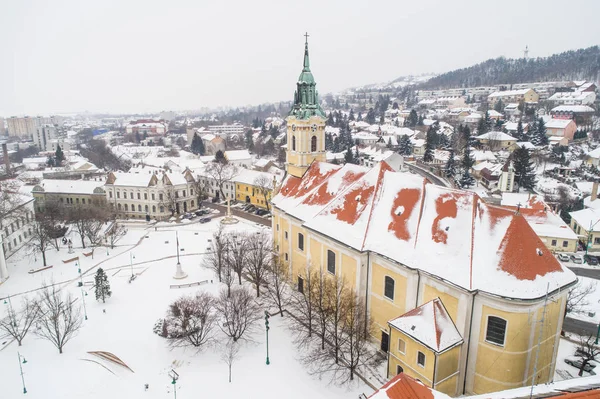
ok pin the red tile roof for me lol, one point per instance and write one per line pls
(403, 386)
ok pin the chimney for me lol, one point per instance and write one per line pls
(594, 190)
(6, 160)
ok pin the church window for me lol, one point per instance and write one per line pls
(313, 144)
(496, 330)
(293, 143)
(389, 288)
(301, 241)
(331, 261)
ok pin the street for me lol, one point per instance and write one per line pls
(580, 327)
(239, 213)
(591, 273)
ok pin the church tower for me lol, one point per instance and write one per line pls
(305, 124)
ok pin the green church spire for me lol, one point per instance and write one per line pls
(306, 98)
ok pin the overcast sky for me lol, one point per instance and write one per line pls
(144, 56)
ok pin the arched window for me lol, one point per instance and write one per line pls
(293, 143)
(153, 208)
(146, 208)
(313, 144)
(389, 288)
(331, 261)
(125, 207)
(119, 206)
(139, 208)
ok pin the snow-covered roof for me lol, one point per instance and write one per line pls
(247, 176)
(499, 136)
(237, 155)
(526, 144)
(572, 108)
(594, 153)
(586, 218)
(35, 160)
(512, 126)
(403, 386)
(141, 179)
(586, 187)
(571, 96)
(588, 203)
(68, 186)
(492, 113)
(509, 93)
(404, 218)
(558, 123)
(483, 155)
(431, 325)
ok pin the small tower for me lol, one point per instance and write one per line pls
(305, 123)
(526, 52)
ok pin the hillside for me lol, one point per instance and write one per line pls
(582, 64)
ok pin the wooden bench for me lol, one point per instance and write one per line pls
(71, 260)
(32, 271)
(88, 254)
(188, 285)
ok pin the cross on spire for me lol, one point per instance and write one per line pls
(306, 35)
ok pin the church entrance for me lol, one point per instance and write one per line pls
(185, 207)
(247, 199)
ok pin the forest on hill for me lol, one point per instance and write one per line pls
(582, 64)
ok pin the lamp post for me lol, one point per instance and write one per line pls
(597, 334)
(11, 311)
(131, 258)
(82, 293)
(174, 377)
(267, 329)
(21, 369)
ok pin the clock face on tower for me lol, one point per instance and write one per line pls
(314, 128)
(293, 128)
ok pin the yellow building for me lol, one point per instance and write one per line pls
(255, 187)
(477, 274)
(585, 224)
(514, 96)
(305, 124)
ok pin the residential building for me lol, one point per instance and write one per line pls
(211, 186)
(496, 141)
(228, 130)
(148, 127)
(581, 114)
(511, 128)
(585, 224)
(593, 157)
(514, 96)
(151, 195)
(402, 244)
(24, 127)
(497, 176)
(240, 158)
(69, 193)
(254, 187)
(213, 143)
(15, 227)
(43, 136)
(573, 98)
(561, 128)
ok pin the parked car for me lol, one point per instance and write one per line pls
(188, 216)
(578, 362)
(591, 260)
(262, 212)
(251, 208)
(199, 213)
(577, 258)
(205, 220)
(563, 257)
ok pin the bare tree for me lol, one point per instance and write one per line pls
(277, 284)
(200, 188)
(221, 173)
(17, 324)
(87, 222)
(215, 258)
(258, 258)
(303, 307)
(60, 319)
(577, 298)
(239, 313)
(356, 350)
(115, 233)
(337, 298)
(41, 239)
(494, 141)
(169, 199)
(191, 320)
(235, 253)
(229, 353)
(586, 351)
(264, 186)
(53, 214)
(11, 202)
(322, 297)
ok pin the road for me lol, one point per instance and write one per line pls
(591, 273)
(580, 327)
(239, 213)
(427, 174)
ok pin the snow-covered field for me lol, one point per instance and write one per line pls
(123, 326)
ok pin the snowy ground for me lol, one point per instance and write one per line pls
(126, 330)
(564, 371)
(591, 312)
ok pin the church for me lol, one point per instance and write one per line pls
(456, 289)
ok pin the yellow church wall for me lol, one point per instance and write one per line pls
(299, 257)
(382, 308)
(349, 269)
(446, 366)
(450, 302)
(408, 359)
(503, 367)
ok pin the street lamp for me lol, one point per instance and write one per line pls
(597, 334)
(11, 311)
(131, 258)
(21, 369)
(267, 328)
(174, 377)
(81, 287)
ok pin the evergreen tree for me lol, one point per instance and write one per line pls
(329, 121)
(412, 119)
(540, 131)
(466, 180)
(102, 286)
(359, 118)
(249, 140)
(59, 156)
(137, 137)
(371, 116)
(404, 146)
(524, 169)
(382, 119)
(429, 145)
(482, 126)
(450, 167)
(420, 121)
(50, 161)
(220, 157)
(328, 141)
(520, 135)
(349, 157)
(351, 116)
(197, 146)
(499, 107)
(356, 155)
(336, 145)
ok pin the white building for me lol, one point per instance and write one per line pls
(43, 135)
(573, 98)
(15, 227)
(234, 128)
(151, 195)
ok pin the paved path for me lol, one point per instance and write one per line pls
(580, 327)
(425, 173)
(239, 213)
(584, 272)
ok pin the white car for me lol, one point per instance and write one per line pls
(563, 257)
(577, 258)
